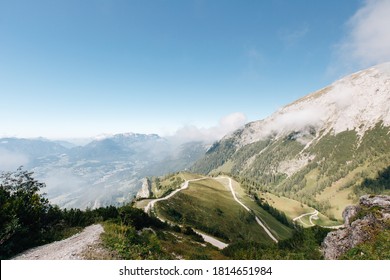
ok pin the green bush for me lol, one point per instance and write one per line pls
(25, 215)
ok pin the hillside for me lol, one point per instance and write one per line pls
(319, 150)
(218, 207)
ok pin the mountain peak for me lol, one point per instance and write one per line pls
(356, 102)
(323, 145)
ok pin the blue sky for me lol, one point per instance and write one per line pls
(80, 68)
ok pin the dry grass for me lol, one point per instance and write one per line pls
(97, 251)
(290, 207)
(141, 204)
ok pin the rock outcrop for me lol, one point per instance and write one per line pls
(146, 189)
(362, 223)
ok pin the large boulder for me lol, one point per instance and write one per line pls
(362, 223)
(146, 189)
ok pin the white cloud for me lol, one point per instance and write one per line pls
(62, 181)
(295, 120)
(232, 122)
(368, 37)
(10, 161)
(226, 125)
(291, 37)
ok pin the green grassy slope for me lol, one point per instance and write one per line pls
(209, 206)
(327, 175)
(279, 230)
(156, 244)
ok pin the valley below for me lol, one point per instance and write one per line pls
(272, 189)
(106, 171)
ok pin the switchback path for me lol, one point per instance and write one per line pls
(314, 215)
(209, 239)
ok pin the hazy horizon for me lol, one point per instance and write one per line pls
(72, 69)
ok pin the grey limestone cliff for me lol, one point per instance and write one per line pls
(146, 189)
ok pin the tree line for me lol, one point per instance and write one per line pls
(27, 219)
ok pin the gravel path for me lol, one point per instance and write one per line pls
(209, 239)
(71, 248)
(213, 241)
(259, 222)
(184, 186)
(314, 215)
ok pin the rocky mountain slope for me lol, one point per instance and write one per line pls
(317, 150)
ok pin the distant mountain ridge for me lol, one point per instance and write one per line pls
(356, 102)
(316, 150)
(32, 147)
(106, 171)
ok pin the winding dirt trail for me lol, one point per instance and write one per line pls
(184, 186)
(215, 242)
(247, 209)
(209, 239)
(314, 215)
(71, 248)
